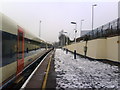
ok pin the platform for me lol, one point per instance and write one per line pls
(41, 76)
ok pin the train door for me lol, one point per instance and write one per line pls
(20, 56)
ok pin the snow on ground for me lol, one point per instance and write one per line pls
(83, 73)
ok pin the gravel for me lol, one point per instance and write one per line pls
(83, 73)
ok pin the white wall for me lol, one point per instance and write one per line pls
(100, 48)
(112, 48)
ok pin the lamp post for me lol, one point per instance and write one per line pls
(81, 26)
(93, 15)
(75, 29)
(40, 28)
(75, 38)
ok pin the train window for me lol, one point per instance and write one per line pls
(8, 52)
(27, 50)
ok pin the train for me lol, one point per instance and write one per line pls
(18, 49)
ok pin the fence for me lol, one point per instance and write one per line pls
(108, 30)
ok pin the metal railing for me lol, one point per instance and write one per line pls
(108, 30)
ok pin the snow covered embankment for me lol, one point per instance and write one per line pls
(83, 73)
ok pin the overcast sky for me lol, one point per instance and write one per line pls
(57, 15)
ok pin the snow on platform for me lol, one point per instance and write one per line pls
(83, 73)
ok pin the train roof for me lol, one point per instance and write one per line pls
(10, 26)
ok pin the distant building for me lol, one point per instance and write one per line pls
(119, 9)
(84, 32)
(63, 39)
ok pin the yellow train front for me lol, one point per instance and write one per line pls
(18, 49)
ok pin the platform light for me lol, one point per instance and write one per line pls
(75, 29)
(81, 26)
(93, 15)
(73, 23)
(75, 38)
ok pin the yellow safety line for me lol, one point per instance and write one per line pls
(46, 76)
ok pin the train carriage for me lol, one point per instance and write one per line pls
(18, 48)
